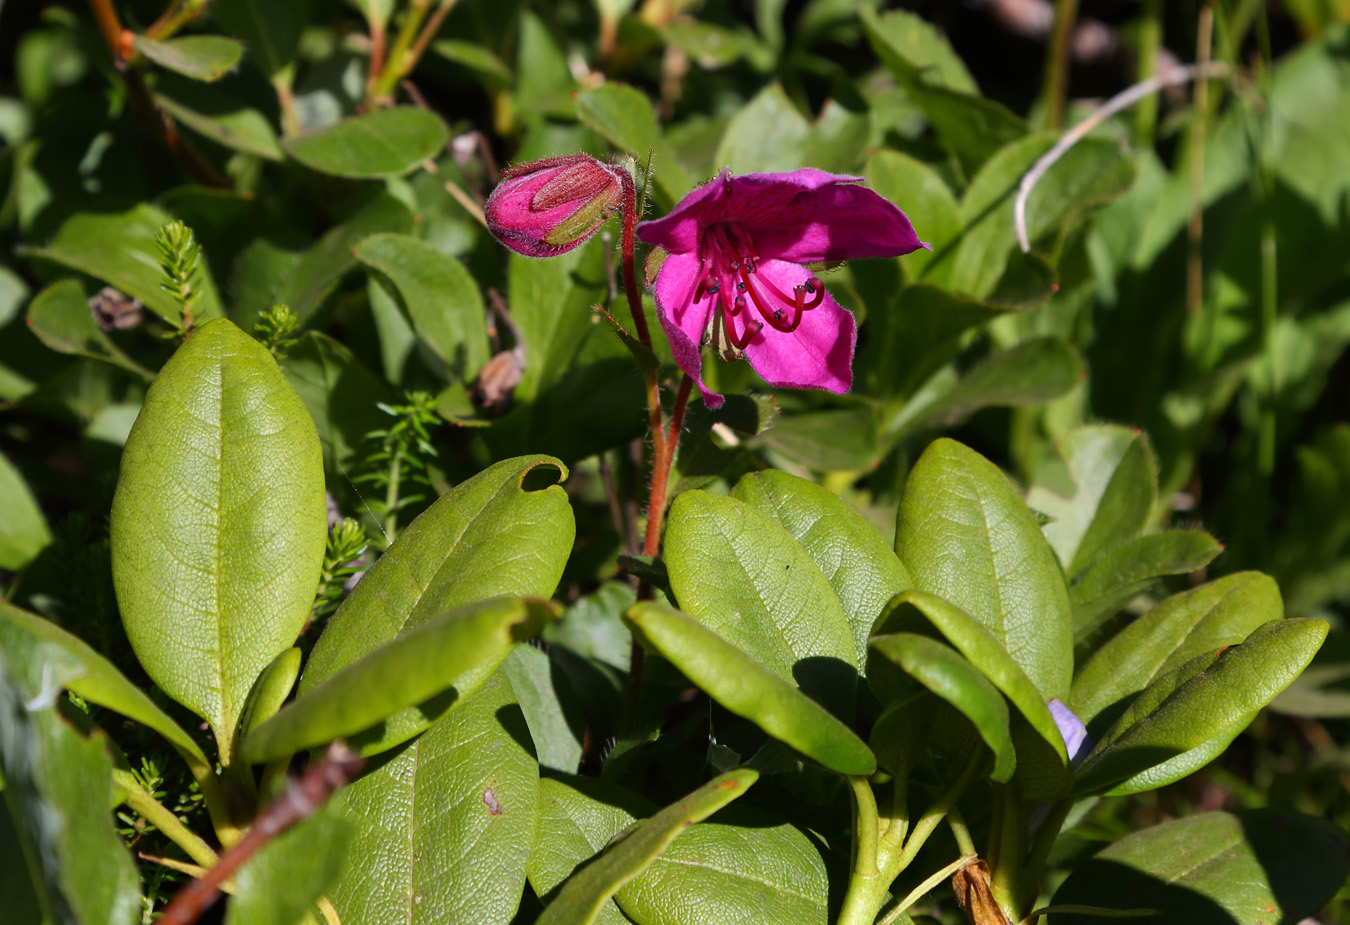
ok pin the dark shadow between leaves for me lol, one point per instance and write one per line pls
(830, 682)
(1112, 885)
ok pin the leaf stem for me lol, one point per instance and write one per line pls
(1057, 61)
(865, 887)
(1005, 861)
(158, 815)
(922, 889)
(177, 15)
(960, 831)
(1150, 44)
(1041, 843)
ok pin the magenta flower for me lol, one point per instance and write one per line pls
(547, 207)
(735, 276)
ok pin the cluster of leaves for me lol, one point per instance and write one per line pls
(869, 687)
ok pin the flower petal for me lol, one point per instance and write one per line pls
(683, 320)
(840, 221)
(801, 216)
(1071, 728)
(819, 354)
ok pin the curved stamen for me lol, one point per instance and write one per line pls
(774, 316)
(748, 334)
(799, 292)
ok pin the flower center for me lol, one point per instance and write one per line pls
(730, 275)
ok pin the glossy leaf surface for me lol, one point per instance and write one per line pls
(1167, 731)
(438, 295)
(443, 827)
(743, 575)
(383, 143)
(966, 536)
(949, 676)
(219, 523)
(280, 884)
(849, 551)
(1243, 868)
(1221, 613)
(1125, 570)
(58, 786)
(373, 701)
(586, 891)
(745, 687)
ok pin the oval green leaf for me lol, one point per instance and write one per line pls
(1212, 697)
(745, 687)
(1112, 488)
(439, 296)
(742, 574)
(1132, 567)
(966, 536)
(119, 249)
(1244, 868)
(758, 871)
(279, 884)
(59, 316)
(443, 827)
(29, 639)
(956, 681)
(586, 891)
(487, 537)
(849, 551)
(1221, 613)
(201, 57)
(219, 523)
(458, 650)
(385, 143)
(58, 785)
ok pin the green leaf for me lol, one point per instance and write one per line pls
(1092, 173)
(1032, 373)
(222, 119)
(219, 523)
(924, 198)
(955, 680)
(966, 536)
(443, 827)
(374, 701)
(305, 285)
(488, 536)
(625, 117)
(1113, 486)
(916, 338)
(119, 249)
(580, 899)
(485, 65)
(908, 44)
(1125, 570)
(1243, 868)
(850, 552)
(1184, 718)
(271, 31)
(769, 134)
(757, 871)
(60, 318)
(342, 397)
(919, 612)
(23, 529)
(743, 575)
(439, 296)
(269, 692)
(201, 57)
(838, 440)
(745, 687)
(29, 640)
(58, 786)
(279, 884)
(384, 143)
(556, 724)
(578, 816)
(932, 75)
(1220, 613)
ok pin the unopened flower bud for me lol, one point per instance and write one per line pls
(547, 207)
